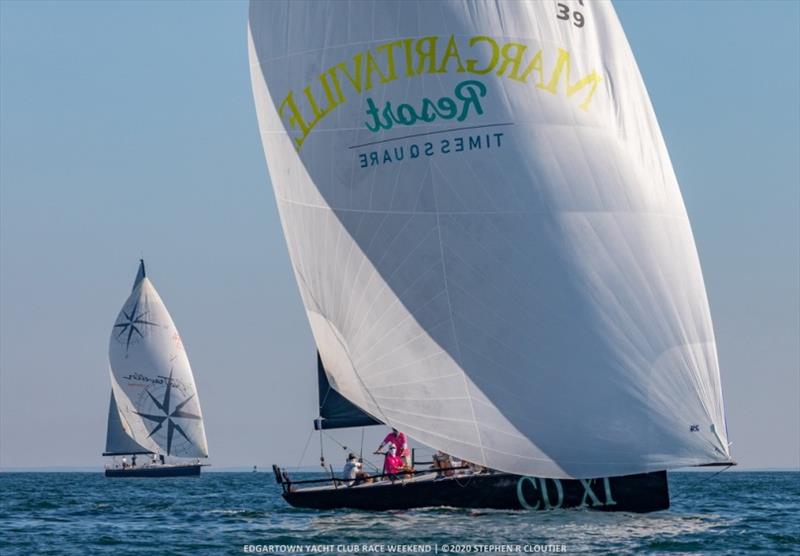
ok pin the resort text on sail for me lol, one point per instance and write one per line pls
(412, 57)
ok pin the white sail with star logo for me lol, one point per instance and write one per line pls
(154, 403)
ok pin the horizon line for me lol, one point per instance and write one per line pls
(268, 469)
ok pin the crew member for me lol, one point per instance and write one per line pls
(401, 443)
(352, 470)
(392, 462)
(443, 463)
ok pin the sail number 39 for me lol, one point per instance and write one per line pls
(563, 12)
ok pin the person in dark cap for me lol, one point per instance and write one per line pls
(352, 470)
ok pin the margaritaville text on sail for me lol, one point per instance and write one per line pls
(411, 57)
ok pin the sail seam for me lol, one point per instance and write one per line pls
(633, 213)
(391, 370)
(395, 347)
(452, 318)
(420, 381)
(398, 296)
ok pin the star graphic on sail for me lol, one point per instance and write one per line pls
(132, 324)
(169, 415)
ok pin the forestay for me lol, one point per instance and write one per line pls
(152, 382)
(487, 232)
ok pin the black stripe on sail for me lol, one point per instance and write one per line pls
(180, 430)
(155, 401)
(180, 405)
(185, 415)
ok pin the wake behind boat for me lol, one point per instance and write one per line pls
(154, 412)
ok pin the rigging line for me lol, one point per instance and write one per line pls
(308, 441)
(698, 483)
(375, 467)
(335, 441)
(328, 391)
(321, 452)
(362, 448)
(325, 398)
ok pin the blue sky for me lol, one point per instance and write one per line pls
(128, 129)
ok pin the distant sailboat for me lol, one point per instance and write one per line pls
(154, 410)
(491, 247)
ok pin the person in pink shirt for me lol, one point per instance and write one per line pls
(399, 440)
(392, 463)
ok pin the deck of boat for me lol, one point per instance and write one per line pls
(644, 492)
(167, 470)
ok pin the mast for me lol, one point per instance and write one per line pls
(140, 275)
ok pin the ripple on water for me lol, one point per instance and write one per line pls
(84, 513)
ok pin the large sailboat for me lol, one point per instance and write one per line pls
(154, 414)
(491, 247)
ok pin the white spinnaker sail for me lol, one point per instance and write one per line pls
(151, 379)
(487, 232)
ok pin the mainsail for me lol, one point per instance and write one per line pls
(118, 436)
(335, 411)
(487, 233)
(153, 390)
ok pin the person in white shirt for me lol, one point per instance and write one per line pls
(352, 469)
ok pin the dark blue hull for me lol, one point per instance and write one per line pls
(646, 492)
(192, 470)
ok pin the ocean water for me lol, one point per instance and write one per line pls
(224, 513)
